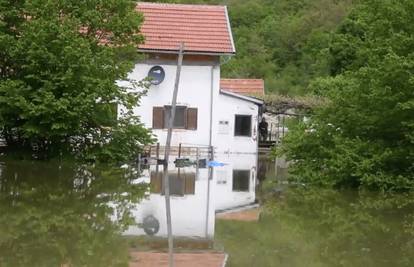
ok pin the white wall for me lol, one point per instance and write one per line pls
(195, 92)
(226, 108)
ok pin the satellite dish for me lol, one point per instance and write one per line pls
(156, 75)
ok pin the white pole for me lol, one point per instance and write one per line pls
(166, 158)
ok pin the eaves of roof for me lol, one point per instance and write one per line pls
(243, 97)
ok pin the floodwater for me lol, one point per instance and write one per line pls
(63, 214)
(303, 226)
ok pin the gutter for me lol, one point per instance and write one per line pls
(230, 31)
(210, 141)
(166, 51)
(242, 97)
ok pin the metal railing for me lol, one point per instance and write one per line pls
(193, 151)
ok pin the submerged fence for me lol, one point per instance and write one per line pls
(193, 151)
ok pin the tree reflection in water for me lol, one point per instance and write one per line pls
(323, 228)
(351, 228)
(55, 214)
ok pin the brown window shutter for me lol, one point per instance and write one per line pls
(189, 187)
(192, 118)
(156, 182)
(158, 118)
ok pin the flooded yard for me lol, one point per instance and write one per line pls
(63, 214)
(301, 226)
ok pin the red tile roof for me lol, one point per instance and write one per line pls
(202, 28)
(243, 86)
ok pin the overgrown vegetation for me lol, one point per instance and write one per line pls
(286, 42)
(364, 137)
(59, 61)
(280, 104)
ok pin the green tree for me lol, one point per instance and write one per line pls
(59, 63)
(364, 136)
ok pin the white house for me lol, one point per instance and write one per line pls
(205, 115)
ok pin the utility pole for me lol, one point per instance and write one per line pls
(167, 156)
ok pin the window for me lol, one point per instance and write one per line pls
(241, 180)
(181, 183)
(179, 119)
(243, 125)
(185, 118)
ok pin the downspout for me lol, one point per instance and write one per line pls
(210, 143)
(259, 116)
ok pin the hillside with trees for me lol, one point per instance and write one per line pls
(364, 137)
(358, 57)
(286, 42)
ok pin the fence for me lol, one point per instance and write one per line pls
(191, 151)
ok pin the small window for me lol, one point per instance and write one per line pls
(241, 180)
(243, 125)
(179, 119)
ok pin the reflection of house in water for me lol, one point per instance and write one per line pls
(181, 182)
(195, 199)
(191, 208)
(235, 182)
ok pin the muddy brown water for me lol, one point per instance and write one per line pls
(55, 213)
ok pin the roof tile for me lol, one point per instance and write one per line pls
(243, 86)
(202, 28)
